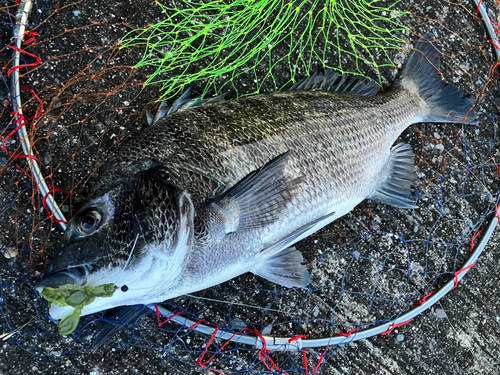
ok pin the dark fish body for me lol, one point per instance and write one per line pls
(211, 148)
(339, 145)
(220, 189)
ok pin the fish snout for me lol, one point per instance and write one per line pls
(75, 261)
(74, 275)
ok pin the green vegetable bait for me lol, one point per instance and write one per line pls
(75, 296)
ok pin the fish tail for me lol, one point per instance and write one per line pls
(445, 102)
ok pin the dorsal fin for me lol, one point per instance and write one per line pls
(185, 101)
(329, 80)
(182, 103)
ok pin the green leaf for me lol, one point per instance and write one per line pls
(54, 296)
(88, 301)
(69, 323)
(105, 290)
(75, 296)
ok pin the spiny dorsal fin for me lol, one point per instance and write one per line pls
(329, 80)
(259, 198)
(285, 268)
(182, 103)
(398, 188)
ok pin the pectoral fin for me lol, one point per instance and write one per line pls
(125, 318)
(259, 198)
(285, 268)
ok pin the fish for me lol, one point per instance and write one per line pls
(219, 188)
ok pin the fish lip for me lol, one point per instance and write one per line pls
(72, 275)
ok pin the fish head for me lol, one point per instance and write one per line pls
(135, 236)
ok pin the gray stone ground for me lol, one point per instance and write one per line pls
(459, 335)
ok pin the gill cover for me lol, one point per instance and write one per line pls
(145, 224)
(169, 214)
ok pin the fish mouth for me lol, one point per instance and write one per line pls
(73, 275)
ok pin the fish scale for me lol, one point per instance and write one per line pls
(220, 188)
(228, 148)
(333, 171)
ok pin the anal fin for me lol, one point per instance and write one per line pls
(398, 187)
(285, 268)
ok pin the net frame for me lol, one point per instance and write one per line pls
(259, 341)
(291, 343)
(54, 209)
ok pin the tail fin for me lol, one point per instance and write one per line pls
(446, 102)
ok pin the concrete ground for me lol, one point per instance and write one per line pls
(459, 185)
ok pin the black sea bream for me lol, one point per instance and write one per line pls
(212, 191)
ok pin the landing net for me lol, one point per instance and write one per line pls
(88, 74)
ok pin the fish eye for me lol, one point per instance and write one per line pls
(89, 222)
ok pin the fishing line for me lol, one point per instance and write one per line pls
(227, 302)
